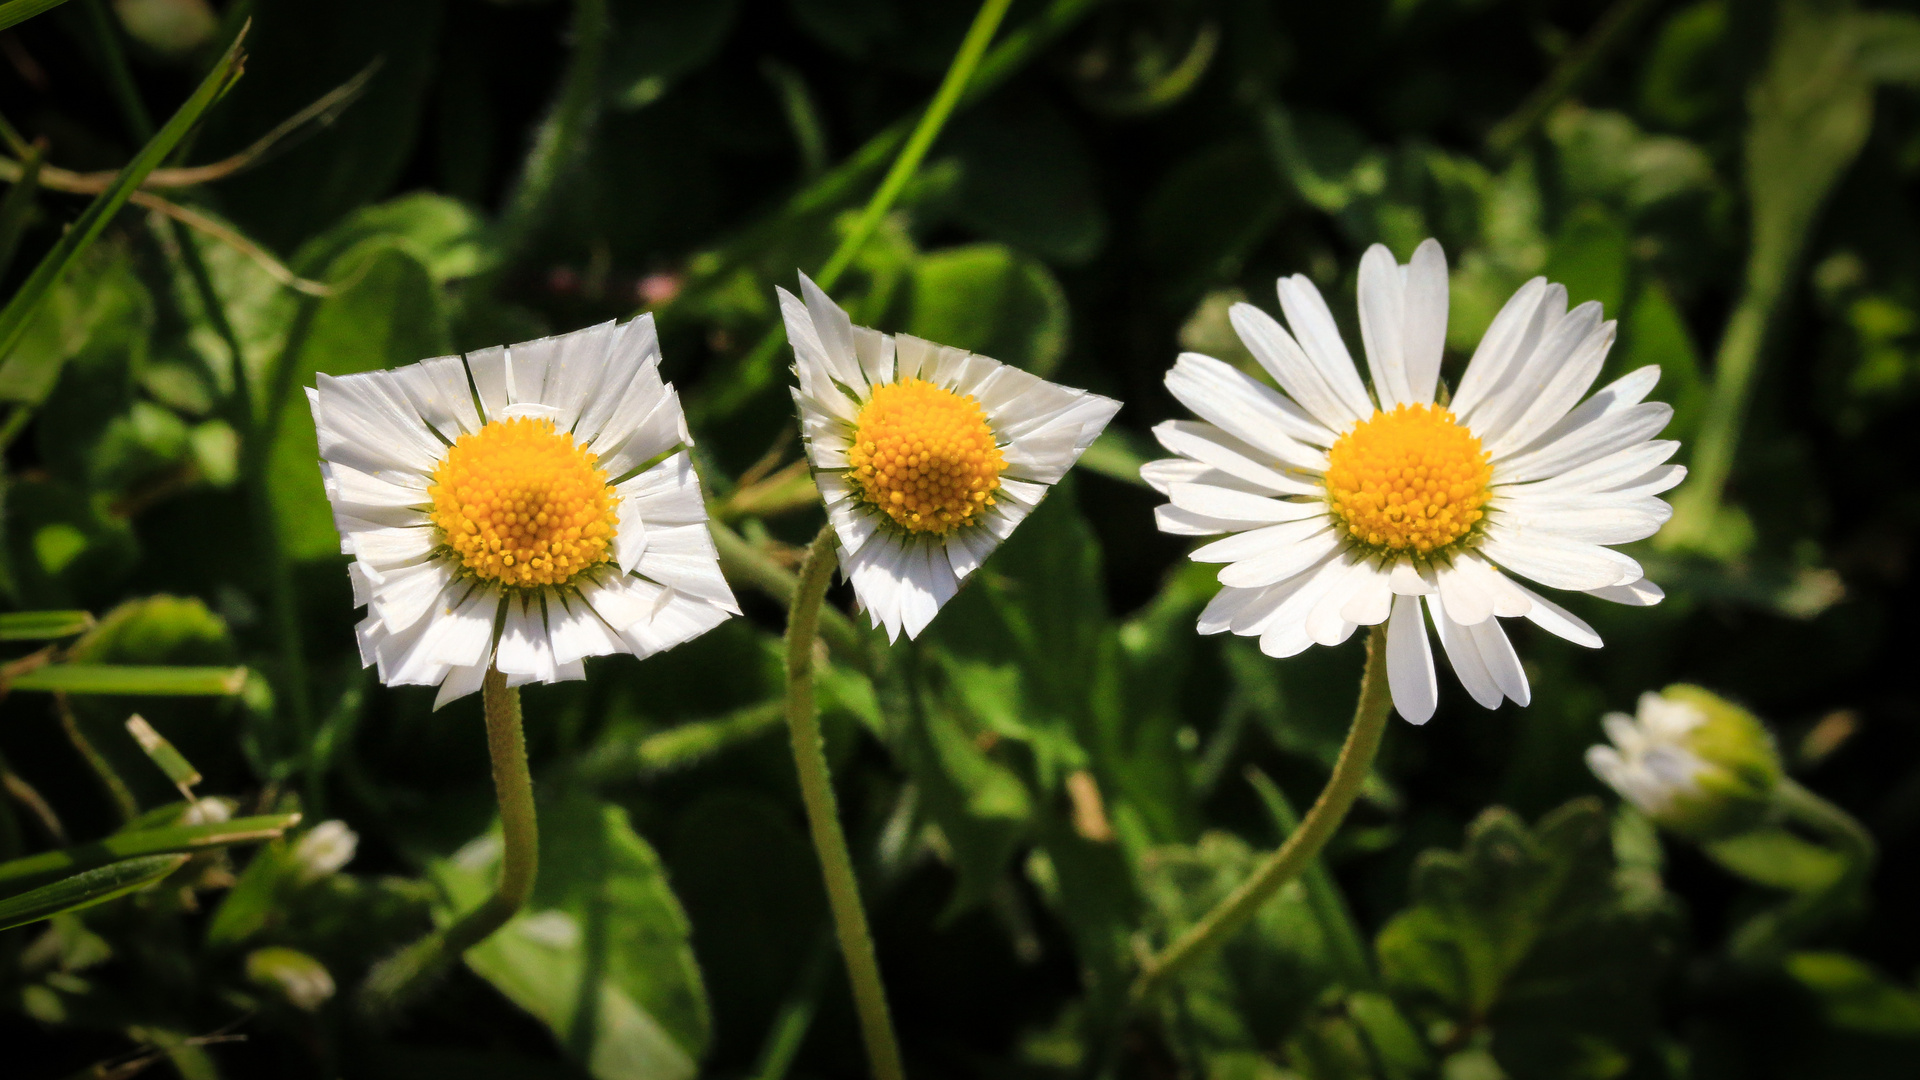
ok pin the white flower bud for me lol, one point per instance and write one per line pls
(1692, 761)
(325, 848)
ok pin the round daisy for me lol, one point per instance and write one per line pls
(1351, 506)
(927, 456)
(523, 507)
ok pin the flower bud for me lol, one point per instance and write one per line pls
(293, 976)
(326, 848)
(1692, 761)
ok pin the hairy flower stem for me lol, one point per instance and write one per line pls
(823, 814)
(1293, 856)
(394, 982)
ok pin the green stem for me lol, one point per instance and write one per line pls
(1831, 822)
(758, 364)
(985, 22)
(823, 814)
(1697, 506)
(1349, 773)
(1608, 33)
(1347, 946)
(392, 983)
(117, 789)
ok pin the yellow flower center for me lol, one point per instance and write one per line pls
(924, 457)
(521, 504)
(1411, 480)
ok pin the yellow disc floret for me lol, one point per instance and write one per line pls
(519, 503)
(1412, 480)
(924, 456)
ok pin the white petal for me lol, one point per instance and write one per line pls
(1371, 600)
(1529, 386)
(460, 682)
(1502, 663)
(488, 367)
(1557, 562)
(1249, 411)
(1423, 335)
(407, 594)
(1410, 674)
(1593, 437)
(363, 422)
(1593, 519)
(818, 373)
(631, 359)
(1502, 401)
(576, 632)
(1280, 615)
(967, 549)
(1314, 328)
(875, 353)
(879, 573)
(683, 558)
(1558, 621)
(933, 584)
(913, 357)
(1382, 321)
(1467, 600)
(672, 619)
(1499, 347)
(1238, 505)
(660, 430)
(438, 390)
(1464, 656)
(1602, 474)
(1208, 444)
(524, 648)
(1324, 623)
(1406, 579)
(830, 321)
(1290, 367)
(1641, 593)
(1562, 389)
(384, 547)
(1227, 604)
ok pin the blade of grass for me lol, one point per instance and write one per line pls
(20, 309)
(36, 870)
(133, 679)
(15, 12)
(43, 625)
(87, 889)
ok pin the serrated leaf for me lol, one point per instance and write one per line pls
(86, 889)
(1525, 931)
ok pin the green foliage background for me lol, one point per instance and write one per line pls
(1060, 775)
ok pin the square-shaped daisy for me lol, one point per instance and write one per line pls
(1351, 506)
(927, 456)
(523, 506)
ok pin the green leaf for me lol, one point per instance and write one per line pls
(986, 298)
(20, 309)
(1207, 215)
(14, 12)
(981, 806)
(1856, 997)
(601, 954)
(1590, 258)
(35, 870)
(42, 625)
(388, 312)
(86, 889)
(134, 679)
(1655, 334)
(1778, 859)
(1525, 931)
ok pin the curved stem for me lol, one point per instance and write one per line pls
(823, 814)
(1766, 937)
(1816, 813)
(1293, 856)
(393, 982)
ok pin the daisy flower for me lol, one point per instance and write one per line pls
(1352, 507)
(928, 456)
(522, 507)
